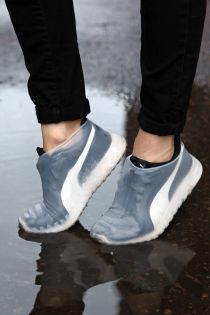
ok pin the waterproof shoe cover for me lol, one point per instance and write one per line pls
(147, 200)
(70, 173)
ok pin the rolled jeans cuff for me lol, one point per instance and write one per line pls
(160, 129)
(48, 115)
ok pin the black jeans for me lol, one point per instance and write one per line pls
(46, 31)
(171, 38)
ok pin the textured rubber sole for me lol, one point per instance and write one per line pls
(181, 194)
(97, 177)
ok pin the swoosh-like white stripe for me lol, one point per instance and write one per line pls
(71, 181)
(160, 202)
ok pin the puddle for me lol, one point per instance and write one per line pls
(20, 187)
(72, 274)
(75, 273)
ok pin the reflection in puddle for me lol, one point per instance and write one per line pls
(102, 299)
(76, 273)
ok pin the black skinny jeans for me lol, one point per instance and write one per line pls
(171, 38)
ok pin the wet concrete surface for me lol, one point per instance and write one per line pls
(69, 273)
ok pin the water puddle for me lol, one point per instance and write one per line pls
(69, 273)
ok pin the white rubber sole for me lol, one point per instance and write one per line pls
(181, 194)
(84, 193)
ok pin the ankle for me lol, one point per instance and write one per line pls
(153, 148)
(55, 134)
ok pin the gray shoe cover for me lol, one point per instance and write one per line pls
(147, 200)
(70, 173)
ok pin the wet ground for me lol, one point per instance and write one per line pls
(69, 273)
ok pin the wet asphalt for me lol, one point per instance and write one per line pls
(69, 273)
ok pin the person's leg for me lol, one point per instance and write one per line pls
(161, 173)
(47, 34)
(79, 154)
(171, 38)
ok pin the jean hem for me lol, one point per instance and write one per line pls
(57, 114)
(160, 129)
